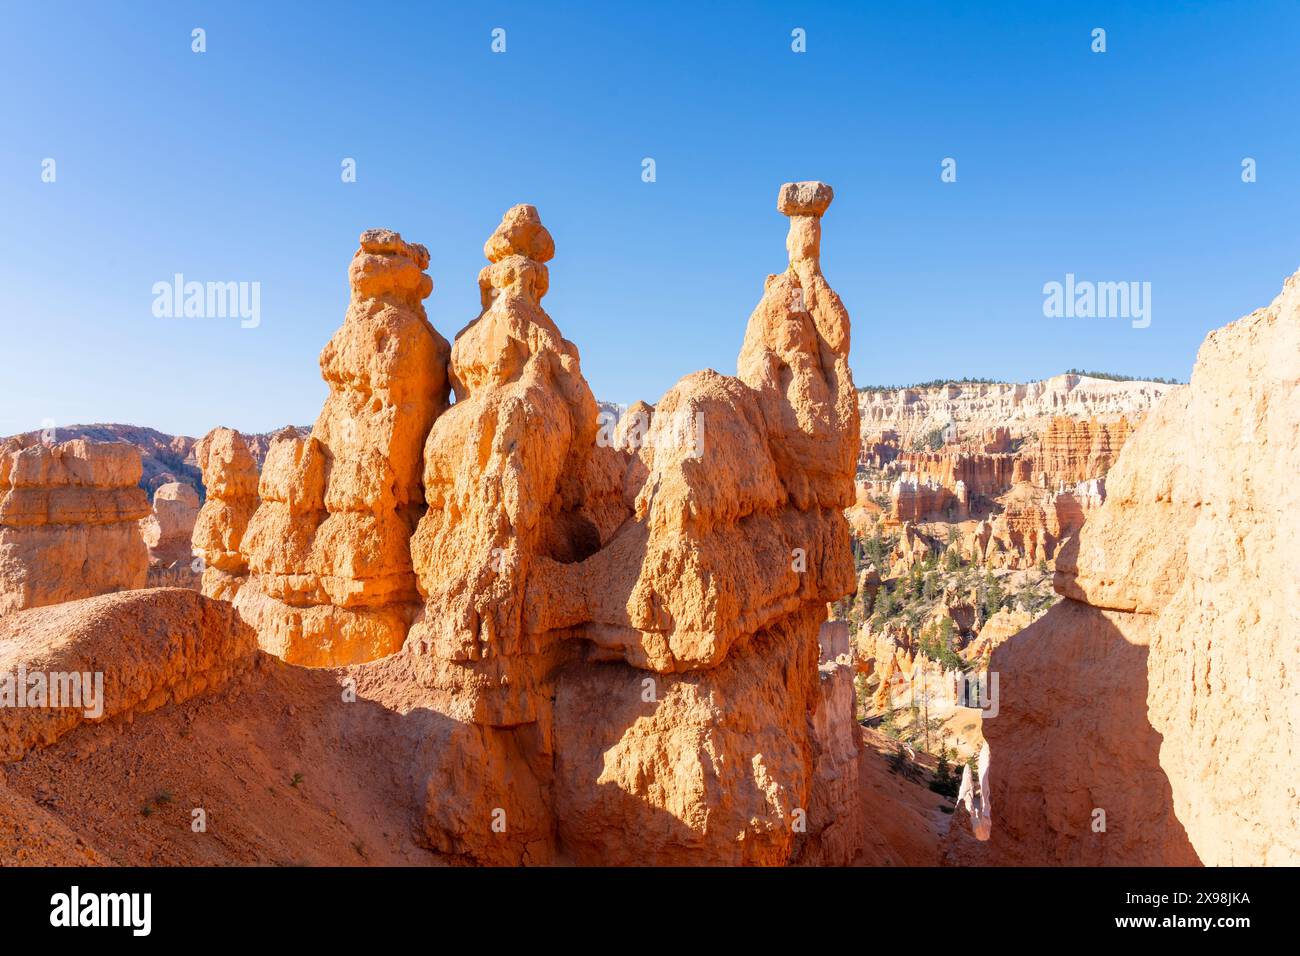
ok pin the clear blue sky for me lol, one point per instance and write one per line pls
(225, 166)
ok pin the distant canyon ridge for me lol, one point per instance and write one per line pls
(166, 459)
(913, 413)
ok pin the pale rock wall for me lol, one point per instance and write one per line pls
(1163, 690)
(1026, 408)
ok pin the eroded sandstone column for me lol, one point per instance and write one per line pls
(330, 578)
(796, 358)
(69, 521)
(505, 475)
(230, 480)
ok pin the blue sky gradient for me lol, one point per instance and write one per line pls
(225, 166)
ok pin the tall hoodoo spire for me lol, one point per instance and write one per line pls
(331, 579)
(796, 356)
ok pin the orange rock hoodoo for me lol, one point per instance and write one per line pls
(597, 610)
(330, 577)
(168, 529)
(620, 624)
(230, 479)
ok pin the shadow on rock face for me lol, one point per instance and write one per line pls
(1076, 775)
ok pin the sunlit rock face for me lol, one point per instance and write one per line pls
(330, 577)
(230, 480)
(69, 521)
(628, 627)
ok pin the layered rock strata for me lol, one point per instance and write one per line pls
(69, 521)
(1027, 407)
(1073, 450)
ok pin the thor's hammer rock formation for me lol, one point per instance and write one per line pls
(639, 690)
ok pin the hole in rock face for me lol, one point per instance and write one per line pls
(573, 538)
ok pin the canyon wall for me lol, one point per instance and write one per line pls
(1153, 716)
(981, 474)
(1023, 407)
(1078, 449)
(1033, 490)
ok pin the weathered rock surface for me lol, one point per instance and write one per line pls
(330, 571)
(1163, 691)
(69, 518)
(167, 532)
(1078, 449)
(181, 643)
(628, 629)
(230, 476)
